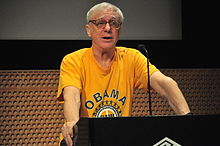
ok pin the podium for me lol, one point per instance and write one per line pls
(195, 130)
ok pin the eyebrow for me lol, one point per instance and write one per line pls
(104, 17)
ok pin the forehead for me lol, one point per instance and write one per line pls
(107, 13)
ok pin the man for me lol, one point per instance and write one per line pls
(99, 81)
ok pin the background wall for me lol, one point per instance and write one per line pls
(66, 19)
(38, 34)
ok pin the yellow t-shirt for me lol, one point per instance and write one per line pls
(104, 92)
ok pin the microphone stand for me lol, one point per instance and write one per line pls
(142, 47)
(148, 84)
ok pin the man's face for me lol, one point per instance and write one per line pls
(104, 29)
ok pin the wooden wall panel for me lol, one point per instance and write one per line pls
(30, 114)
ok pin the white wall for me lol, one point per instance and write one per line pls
(65, 19)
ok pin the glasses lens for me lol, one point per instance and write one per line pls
(114, 24)
(102, 23)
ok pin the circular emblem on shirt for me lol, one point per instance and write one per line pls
(107, 109)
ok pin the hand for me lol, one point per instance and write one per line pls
(69, 133)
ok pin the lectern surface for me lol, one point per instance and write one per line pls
(196, 130)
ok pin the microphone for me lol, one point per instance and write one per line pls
(144, 51)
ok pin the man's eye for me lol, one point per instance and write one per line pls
(100, 23)
(113, 23)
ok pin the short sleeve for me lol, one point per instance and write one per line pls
(141, 71)
(70, 74)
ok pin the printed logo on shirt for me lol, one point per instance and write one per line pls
(107, 109)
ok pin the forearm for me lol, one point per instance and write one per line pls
(71, 104)
(167, 87)
(175, 97)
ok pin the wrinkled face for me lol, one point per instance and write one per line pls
(104, 29)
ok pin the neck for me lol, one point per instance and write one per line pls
(104, 56)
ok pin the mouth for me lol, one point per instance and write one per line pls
(107, 38)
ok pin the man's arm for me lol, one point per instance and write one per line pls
(71, 112)
(167, 87)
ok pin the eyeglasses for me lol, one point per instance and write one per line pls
(100, 24)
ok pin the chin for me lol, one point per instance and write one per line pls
(108, 46)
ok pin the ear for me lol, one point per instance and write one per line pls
(88, 30)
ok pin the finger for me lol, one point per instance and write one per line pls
(71, 133)
(66, 135)
(68, 140)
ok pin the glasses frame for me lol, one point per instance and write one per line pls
(104, 25)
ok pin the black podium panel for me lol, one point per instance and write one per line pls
(196, 130)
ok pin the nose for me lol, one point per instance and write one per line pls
(107, 27)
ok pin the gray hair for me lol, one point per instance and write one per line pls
(103, 6)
